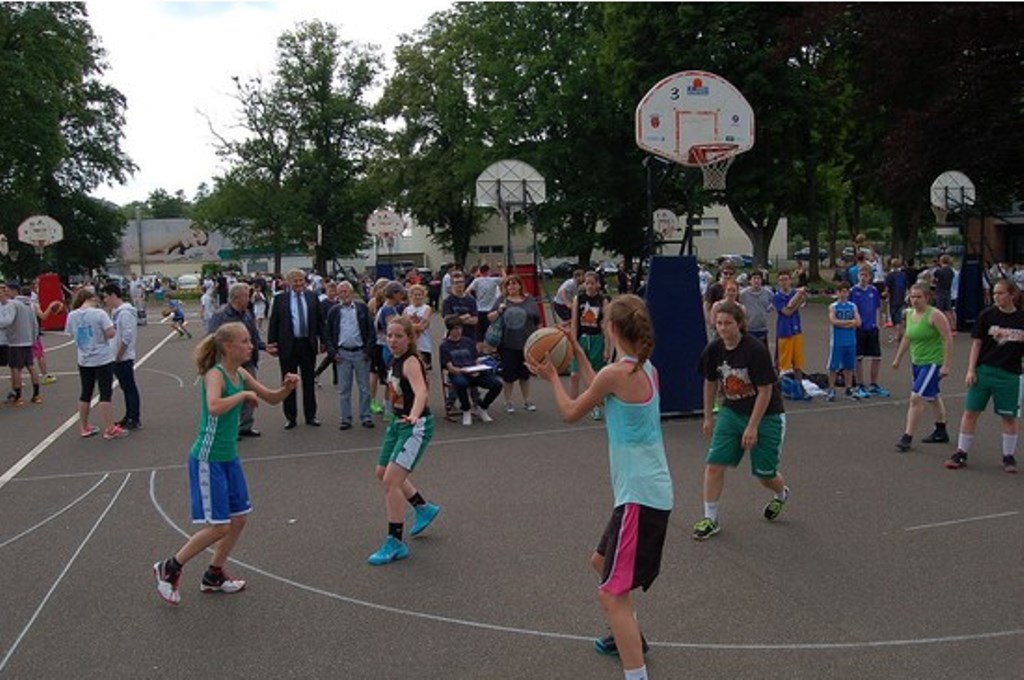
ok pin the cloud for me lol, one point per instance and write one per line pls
(174, 62)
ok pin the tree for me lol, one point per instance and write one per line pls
(302, 161)
(61, 134)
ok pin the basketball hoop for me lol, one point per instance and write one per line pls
(387, 238)
(940, 214)
(714, 161)
(39, 245)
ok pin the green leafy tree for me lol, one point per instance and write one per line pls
(61, 134)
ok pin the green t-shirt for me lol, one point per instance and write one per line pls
(217, 440)
(926, 346)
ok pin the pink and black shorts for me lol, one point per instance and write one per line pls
(631, 547)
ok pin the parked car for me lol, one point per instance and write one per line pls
(736, 260)
(564, 270)
(804, 254)
(188, 282)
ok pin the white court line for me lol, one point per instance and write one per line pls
(951, 522)
(55, 515)
(481, 625)
(64, 427)
(63, 573)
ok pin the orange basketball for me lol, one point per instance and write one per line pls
(551, 341)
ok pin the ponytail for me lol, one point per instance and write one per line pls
(628, 315)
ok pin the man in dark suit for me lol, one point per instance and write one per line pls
(295, 329)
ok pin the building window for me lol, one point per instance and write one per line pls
(490, 249)
(708, 227)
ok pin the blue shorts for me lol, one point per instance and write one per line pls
(926, 381)
(178, 318)
(218, 490)
(842, 358)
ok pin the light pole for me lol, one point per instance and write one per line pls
(142, 253)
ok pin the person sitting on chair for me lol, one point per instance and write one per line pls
(458, 353)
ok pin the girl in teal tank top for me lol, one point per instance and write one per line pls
(220, 498)
(629, 553)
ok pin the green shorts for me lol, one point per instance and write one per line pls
(593, 347)
(405, 444)
(727, 442)
(1002, 386)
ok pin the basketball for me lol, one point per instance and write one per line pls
(552, 341)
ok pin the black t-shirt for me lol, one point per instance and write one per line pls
(740, 371)
(589, 314)
(1002, 338)
(943, 278)
(399, 389)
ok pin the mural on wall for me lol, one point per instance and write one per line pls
(172, 240)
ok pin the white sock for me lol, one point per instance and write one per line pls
(783, 495)
(964, 441)
(711, 510)
(636, 673)
(1009, 444)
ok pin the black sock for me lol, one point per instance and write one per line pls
(17, 393)
(940, 427)
(172, 567)
(416, 499)
(35, 389)
(395, 529)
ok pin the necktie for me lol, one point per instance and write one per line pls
(301, 304)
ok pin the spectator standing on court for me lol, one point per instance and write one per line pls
(461, 303)
(842, 354)
(420, 313)
(520, 317)
(486, 289)
(38, 350)
(789, 332)
(930, 342)
(869, 345)
(351, 342)
(21, 325)
(237, 311)
(757, 303)
(207, 306)
(588, 329)
(752, 417)
(561, 304)
(994, 372)
(896, 288)
(93, 330)
(294, 332)
(942, 277)
(126, 322)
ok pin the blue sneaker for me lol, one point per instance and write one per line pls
(861, 393)
(425, 514)
(831, 396)
(878, 390)
(390, 551)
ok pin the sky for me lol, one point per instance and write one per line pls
(173, 61)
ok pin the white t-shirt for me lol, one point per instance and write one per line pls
(487, 289)
(88, 326)
(424, 341)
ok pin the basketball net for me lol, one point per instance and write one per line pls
(39, 246)
(940, 214)
(714, 161)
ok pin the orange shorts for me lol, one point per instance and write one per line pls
(789, 353)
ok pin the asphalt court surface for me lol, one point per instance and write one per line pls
(883, 565)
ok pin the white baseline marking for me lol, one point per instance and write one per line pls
(55, 515)
(951, 522)
(63, 573)
(585, 638)
(64, 427)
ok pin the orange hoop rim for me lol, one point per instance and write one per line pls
(702, 154)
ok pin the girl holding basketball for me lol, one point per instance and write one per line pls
(220, 496)
(629, 552)
(405, 441)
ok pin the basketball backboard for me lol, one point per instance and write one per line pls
(40, 231)
(953, 191)
(690, 110)
(508, 183)
(383, 221)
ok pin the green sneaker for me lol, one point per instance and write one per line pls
(774, 507)
(376, 408)
(705, 529)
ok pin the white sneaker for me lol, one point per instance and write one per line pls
(467, 418)
(509, 408)
(529, 406)
(483, 415)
